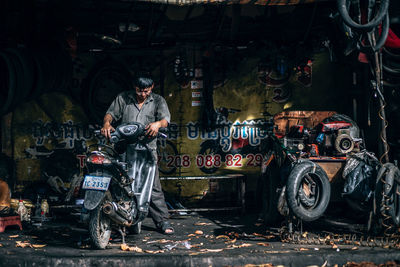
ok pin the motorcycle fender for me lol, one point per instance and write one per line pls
(93, 198)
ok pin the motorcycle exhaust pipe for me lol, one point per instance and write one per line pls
(111, 210)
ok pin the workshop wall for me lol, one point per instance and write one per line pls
(51, 133)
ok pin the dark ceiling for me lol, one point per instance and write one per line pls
(96, 24)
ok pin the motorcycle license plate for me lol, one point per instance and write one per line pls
(96, 182)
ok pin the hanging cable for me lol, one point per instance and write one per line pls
(383, 10)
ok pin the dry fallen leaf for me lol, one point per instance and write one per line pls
(239, 246)
(161, 241)
(263, 265)
(38, 246)
(154, 251)
(263, 244)
(222, 236)
(197, 245)
(211, 250)
(231, 241)
(136, 249)
(198, 232)
(13, 236)
(124, 247)
(354, 248)
(202, 223)
(20, 244)
(265, 236)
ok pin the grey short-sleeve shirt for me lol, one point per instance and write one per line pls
(125, 107)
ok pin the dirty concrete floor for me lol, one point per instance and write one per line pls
(207, 239)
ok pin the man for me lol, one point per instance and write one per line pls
(141, 105)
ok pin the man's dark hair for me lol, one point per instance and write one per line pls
(143, 80)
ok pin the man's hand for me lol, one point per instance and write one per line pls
(152, 128)
(107, 130)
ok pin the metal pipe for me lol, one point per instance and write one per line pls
(111, 210)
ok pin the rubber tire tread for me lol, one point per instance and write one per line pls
(12, 84)
(293, 183)
(94, 230)
(389, 179)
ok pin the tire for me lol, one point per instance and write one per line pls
(268, 185)
(387, 194)
(99, 226)
(8, 83)
(137, 228)
(209, 148)
(305, 203)
(163, 151)
(104, 82)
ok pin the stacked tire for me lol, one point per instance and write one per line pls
(26, 74)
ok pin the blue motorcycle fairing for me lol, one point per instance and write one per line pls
(93, 198)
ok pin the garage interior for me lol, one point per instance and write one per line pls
(218, 64)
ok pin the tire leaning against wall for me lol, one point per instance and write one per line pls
(8, 82)
(301, 205)
(25, 73)
(97, 94)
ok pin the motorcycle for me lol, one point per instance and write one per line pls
(238, 146)
(117, 193)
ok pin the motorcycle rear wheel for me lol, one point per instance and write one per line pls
(99, 227)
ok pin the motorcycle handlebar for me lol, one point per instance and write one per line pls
(162, 132)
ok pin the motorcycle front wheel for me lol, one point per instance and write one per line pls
(99, 226)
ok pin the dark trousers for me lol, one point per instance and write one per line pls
(158, 210)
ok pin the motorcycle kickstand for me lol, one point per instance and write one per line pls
(123, 233)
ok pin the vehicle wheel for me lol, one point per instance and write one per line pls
(166, 151)
(209, 148)
(137, 228)
(308, 191)
(267, 186)
(388, 193)
(99, 226)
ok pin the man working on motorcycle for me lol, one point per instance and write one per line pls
(150, 109)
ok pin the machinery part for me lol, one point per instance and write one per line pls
(380, 42)
(329, 239)
(137, 228)
(344, 143)
(111, 209)
(308, 191)
(268, 185)
(387, 197)
(383, 10)
(100, 226)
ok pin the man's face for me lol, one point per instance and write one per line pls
(142, 94)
